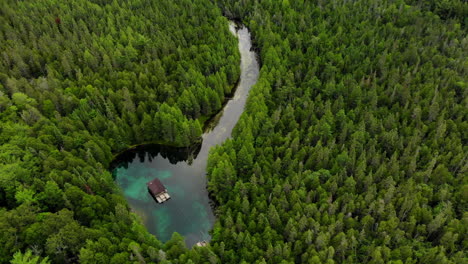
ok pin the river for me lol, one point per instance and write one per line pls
(183, 171)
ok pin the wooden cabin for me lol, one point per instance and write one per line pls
(158, 191)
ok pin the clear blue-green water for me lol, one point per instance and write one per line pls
(188, 212)
(182, 171)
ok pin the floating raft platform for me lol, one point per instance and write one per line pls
(158, 191)
(202, 244)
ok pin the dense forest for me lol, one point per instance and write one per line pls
(352, 147)
(362, 153)
(80, 81)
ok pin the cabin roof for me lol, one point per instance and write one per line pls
(155, 186)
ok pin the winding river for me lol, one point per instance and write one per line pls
(182, 171)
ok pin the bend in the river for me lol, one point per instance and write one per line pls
(182, 171)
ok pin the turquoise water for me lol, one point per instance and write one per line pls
(187, 212)
(182, 171)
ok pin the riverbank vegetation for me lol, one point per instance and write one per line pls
(352, 148)
(361, 155)
(81, 80)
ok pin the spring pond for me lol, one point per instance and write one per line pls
(182, 170)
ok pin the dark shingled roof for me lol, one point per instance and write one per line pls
(156, 187)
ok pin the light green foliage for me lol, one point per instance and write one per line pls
(28, 258)
(24, 195)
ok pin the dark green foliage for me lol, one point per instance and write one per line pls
(99, 70)
(446, 9)
(352, 148)
(361, 155)
(80, 81)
